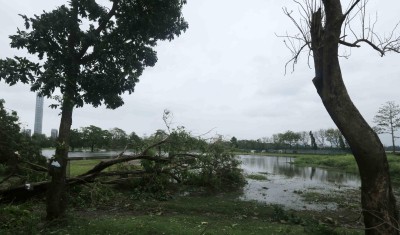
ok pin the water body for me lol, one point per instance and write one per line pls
(287, 181)
(48, 153)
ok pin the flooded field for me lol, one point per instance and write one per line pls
(298, 188)
(277, 180)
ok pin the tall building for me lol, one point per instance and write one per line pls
(54, 133)
(38, 115)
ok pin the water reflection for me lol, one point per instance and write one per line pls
(285, 178)
(284, 166)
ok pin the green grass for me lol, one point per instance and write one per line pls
(212, 214)
(340, 162)
(78, 167)
(394, 168)
(257, 177)
(177, 225)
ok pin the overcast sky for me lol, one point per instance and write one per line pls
(225, 74)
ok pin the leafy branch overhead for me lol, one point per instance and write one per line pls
(112, 46)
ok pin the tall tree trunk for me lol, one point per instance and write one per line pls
(377, 199)
(393, 144)
(56, 194)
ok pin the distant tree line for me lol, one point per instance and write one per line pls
(321, 139)
(94, 138)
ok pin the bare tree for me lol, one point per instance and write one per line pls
(304, 138)
(388, 120)
(333, 136)
(320, 137)
(323, 26)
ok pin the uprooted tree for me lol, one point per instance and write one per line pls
(92, 54)
(323, 27)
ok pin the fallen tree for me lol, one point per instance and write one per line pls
(179, 157)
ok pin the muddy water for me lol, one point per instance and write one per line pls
(287, 184)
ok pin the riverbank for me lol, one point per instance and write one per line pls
(344, 162)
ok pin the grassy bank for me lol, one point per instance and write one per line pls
(77, 167)
(342, 162)
(212, 214)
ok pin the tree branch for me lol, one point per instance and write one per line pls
(98, 30)
(350, 9)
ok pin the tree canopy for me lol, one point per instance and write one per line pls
(9, 133)
(94, 52)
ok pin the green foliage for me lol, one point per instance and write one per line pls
(178, 158)
(18, 218)
(135, 141)
(280, 215)
(219, 168)
(344, 162)
(42, 141)
(98, 64)
(17, 148)
(289, 137)
(9, 133)
(212, 165)
(76, 139)
(93, 63)
(92, 195)
(119, 138)
(257, 177)
(234, 142)
(94, 136)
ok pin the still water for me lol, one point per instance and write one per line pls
(286, 182)
(48, 153)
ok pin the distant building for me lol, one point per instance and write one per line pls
(38, 115)
(54, 133)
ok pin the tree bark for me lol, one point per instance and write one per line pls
(392, 132)
(377, 199)
(56, 195)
